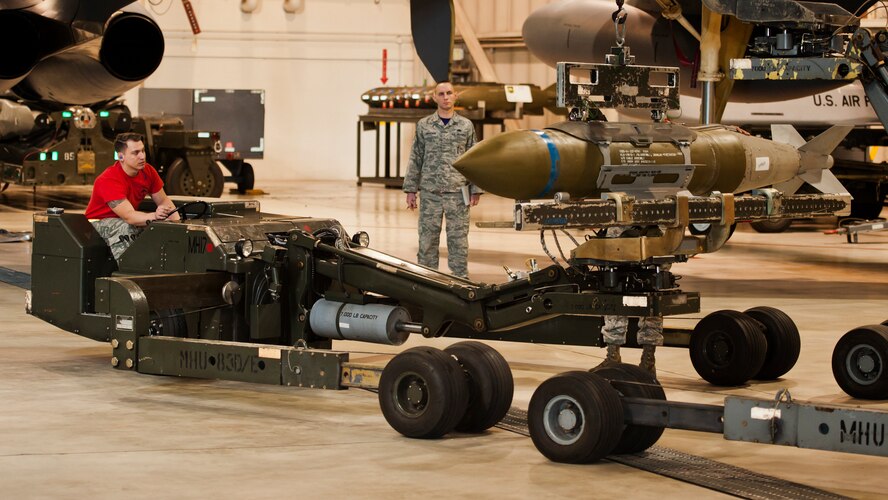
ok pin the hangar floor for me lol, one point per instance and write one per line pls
(71, 426)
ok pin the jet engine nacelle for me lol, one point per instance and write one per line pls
(73, 52)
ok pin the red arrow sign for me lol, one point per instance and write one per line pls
(384, 65)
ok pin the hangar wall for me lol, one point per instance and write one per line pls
(496, 24)
(314, 64)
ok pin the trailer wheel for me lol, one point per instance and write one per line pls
(633, 382)
(727, 348)
(860, 362)
(784, 342)
(247, 179)
(490, 385)
(771, 226)
(423, 393)
(575, 417)
(180, 180)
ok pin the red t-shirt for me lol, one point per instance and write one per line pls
(115, 184)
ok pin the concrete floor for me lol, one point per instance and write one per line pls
(71, 426)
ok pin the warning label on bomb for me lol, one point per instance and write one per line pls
(647, 157)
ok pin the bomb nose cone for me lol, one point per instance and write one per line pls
(515, 165)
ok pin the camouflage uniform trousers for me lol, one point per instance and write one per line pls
(650, 330)
(450, 206)
(117, 233)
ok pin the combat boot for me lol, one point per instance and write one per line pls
(613, 356)
(648, 362)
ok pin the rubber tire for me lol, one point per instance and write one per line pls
(635, 438)
(178, 175)
(703, 232)
(874, 339)
(733, 337)
(771, 226)
(868, 201)
(601, 420)
(490, 385)
(171, 323)
(247, 178)
(444, 389)
(865, 210)
(784, 341)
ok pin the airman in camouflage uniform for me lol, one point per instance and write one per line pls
(440, 139)
(119, 190)
(117, 233)
(650, 330)
(650, 335)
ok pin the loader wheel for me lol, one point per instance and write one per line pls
(703, 228)
(727, 348)
(771, 226)
(490, 385)
(180, 180)
(168, 323)
(860, 362)
(423, 393)
(784, 342)
(575, 417)
(633, 382)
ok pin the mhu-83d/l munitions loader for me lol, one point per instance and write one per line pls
(232, 293)
(230, 275)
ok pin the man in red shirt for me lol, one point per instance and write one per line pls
(120, 188)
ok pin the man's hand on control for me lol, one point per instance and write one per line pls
(163, 212)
